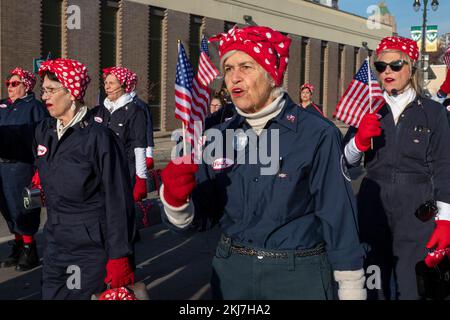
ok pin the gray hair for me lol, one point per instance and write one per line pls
(276, 90)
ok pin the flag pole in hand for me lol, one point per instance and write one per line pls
(370, 95)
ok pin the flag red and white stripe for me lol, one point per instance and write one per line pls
(183, 86)
(447, 57)
(206, 73)
(360, 97)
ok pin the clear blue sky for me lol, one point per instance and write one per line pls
(404, 13)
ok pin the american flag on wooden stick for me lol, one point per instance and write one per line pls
(362, 95)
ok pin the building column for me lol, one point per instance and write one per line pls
(133, 42)
(331, 79)
(360, 57)
(313, 66)
(348, 61)
(84, 44)
(178, 30)
(20, 36)
(292, 77)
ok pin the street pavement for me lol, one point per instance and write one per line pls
(172, 267)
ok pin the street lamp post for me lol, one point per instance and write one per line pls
(423, 67)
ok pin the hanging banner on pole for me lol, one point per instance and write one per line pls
(416, 35)
(431, 44)
(432, 39)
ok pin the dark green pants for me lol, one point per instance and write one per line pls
(242, 277)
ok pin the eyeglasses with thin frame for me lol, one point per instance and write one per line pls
(14, 83)
(395, 66)
(50, 91)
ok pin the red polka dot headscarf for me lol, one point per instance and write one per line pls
(125, 76)
(308, 86)
(268, 47)
(405, 45)
(71, 73)
(28, 79)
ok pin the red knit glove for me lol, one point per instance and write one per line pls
(440, 236)
(119, 273)
(140, 189)
(149, 162)
(179, 181)
(36, 180)
(369, 127)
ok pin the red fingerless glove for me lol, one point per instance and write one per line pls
(140, 189)
(119, 273)
(179, 181)
(369, 127)
(149, 163)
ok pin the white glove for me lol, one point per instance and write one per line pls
(351, 284)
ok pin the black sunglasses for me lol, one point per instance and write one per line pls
(395, 66)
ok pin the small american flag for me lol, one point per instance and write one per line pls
(206, 73)
(183, 86)
(356, 100)
(447, 57)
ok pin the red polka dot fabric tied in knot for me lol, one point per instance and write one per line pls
(121, 293)
(308, 86)
(125, 76)
(28, 79)
(71, 73)
(434, 258)
(268, 47)
(404, 45)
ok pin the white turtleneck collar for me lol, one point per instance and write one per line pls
(119, 103)
(399, 103)
(259, 119)
(61, 129)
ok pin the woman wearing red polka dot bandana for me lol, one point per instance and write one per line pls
(404, 199)
(129, 122)
(20, 108)
(306, 93)
(88, 194)
(285, 230)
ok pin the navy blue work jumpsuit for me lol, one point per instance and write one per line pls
(223, 114)
(16, 175)
(148, 115)
(307, 203)
(130, 126)
(88, 199)
(407, 160)
(312, 107)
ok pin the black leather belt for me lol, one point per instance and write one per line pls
(248, 251)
